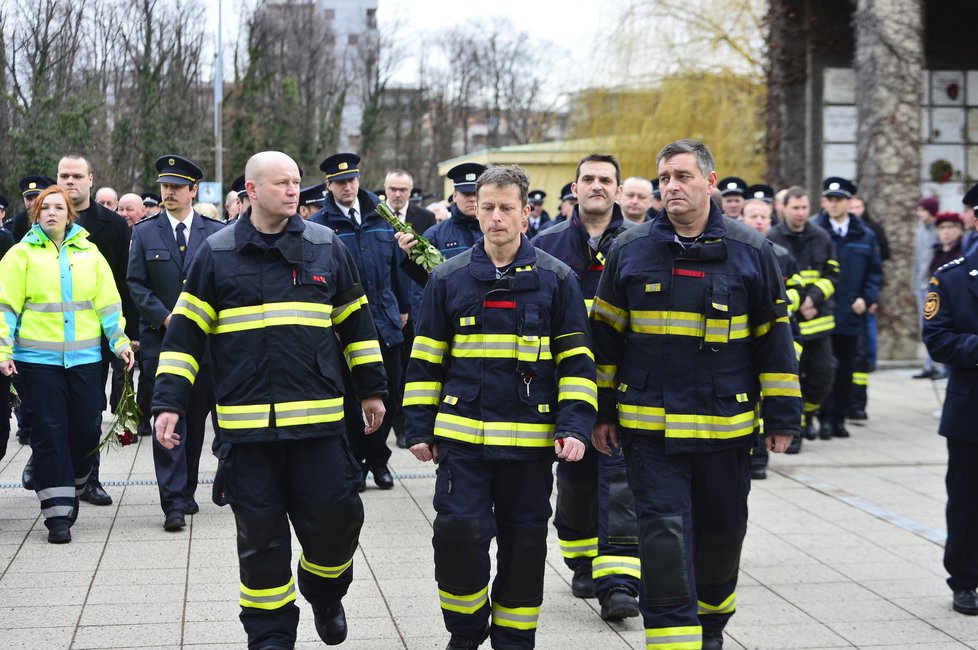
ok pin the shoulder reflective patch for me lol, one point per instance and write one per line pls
(932, 305)
(654, 287)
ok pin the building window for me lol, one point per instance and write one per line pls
(330, 14)
(353, 39)
(371, 19)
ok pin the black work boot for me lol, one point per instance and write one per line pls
(618, 603)
(712, 640)
(467, 641)
(331, 623)
(582, 585)
(794, 446)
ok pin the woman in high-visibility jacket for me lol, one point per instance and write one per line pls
(57, 298)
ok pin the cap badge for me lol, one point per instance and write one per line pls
(834, 186)
(973, 273)
(758, 195)
(470, 177)
(342, 166)
(731, 186)
(172, 162)
(32, 186)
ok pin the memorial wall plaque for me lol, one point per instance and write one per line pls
(973, 125)
(839, 86)
(839, 160)
(972, 95)
(947, 88)
(947, 125)
(948, 194)
(972, 164)
(933, 155)
(839, 124)
(924, 124)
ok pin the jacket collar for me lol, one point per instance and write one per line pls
(662, 229)
(856, 226)
(368, 205)
(460, 219)
(289, 245)
(617, 220)
(482, 267)
(76, 236)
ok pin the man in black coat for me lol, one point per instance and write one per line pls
(110, 234)
(162, 247)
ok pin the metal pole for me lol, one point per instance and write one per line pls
(218, 100)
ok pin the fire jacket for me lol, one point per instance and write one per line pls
(282, 318)
(503, 363)
(812, 250)
(689, 337)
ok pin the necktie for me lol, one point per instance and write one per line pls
(182, 241)
(353, 215)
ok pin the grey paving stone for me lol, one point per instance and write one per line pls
(95, 637)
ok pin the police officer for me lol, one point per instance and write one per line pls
(501, 377)
(350, 213)
(656, 199)
(244, 199)
(311, 200)
(280, 301)
(691, 325)
(159, 258)
(538, 216)
(567, 203)
(732, 190)
(812, 249)
(949, 331)
(595, 518)
(152, 201)
(860, 280)
(30, 187)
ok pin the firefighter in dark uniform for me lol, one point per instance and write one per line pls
(732, 190)
(280, 302)
(159, 256)
(950, 332)
(691, 320)
(595, 518)
(501, 377)
(812, 248)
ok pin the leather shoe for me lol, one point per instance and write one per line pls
(966, 602)
(825, 430)
(758, 472)
(857, 414)
(467, 641)
(192, 507)
(62, 535)
(95, 494)
(27, 477)
(617, 604)
(926, 373)
(331, 623)
(174, 521)
(840, 431)
(794, 446)
(582, 584)
(383, 479)
(712, 641)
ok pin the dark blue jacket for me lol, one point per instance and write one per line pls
(501, 364)
(688, 339)
(951, 334)
(372, 245)
(860, 273)
(156, 275)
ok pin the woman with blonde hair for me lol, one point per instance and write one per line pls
(57, 298)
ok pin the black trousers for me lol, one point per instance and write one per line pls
(836, 406)
(311, 483)
(372, 451)
(816, 372)
(177, 468)
(961, 549)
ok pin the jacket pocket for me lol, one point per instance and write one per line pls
(239, 374)
(329, 362)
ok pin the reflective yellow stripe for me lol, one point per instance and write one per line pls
(764, 328)
(860, 378)
(825, 286)
(648, 418)
(501, 346)
(605, 312)
(674, 638)
(421, 393)
(247, 416)
(466, 321)
(571, 344)
(465, 603)
(239, 319)
(341, 313)
(178, 363)
(799, 348)
(606, 376)
(687, 323)
(273, 598)
(575, 351)
(196, 310)
(324, 571)
(728, 606)
(361, 352)
(429, 350)
(810, 275)
(578, 388)
(517, 618)
(817, 325)
(495, 434)
(711, 427)
(290, 414)
(811, 407)
(571, 548)
(778, 384)
(621, 565)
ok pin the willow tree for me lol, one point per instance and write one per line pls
(681, 68)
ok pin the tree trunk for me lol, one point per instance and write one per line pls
(889, 62)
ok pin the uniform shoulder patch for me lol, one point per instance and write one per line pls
(932, 304)
(934, 281)
(950, 264)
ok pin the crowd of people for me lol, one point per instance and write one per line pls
(656, 337)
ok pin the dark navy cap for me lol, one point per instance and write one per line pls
(341, 166)
(537, 197)
(417, 195)
(465, 175)
(238, 186)
(34, 185)
(566, 193)
(971, 197)
(655, 188)
(151, 199)
(763, 192)
(314, 195)
(838, 186)
(177, 170)
(732, 185)
(3, 202)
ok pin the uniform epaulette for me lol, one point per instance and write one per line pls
(949, 265)
(547, 261)
(744, 234)
(317, 233)
(151, 218)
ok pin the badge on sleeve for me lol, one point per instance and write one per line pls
(932, 305)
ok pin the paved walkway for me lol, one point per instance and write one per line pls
(844, 550)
